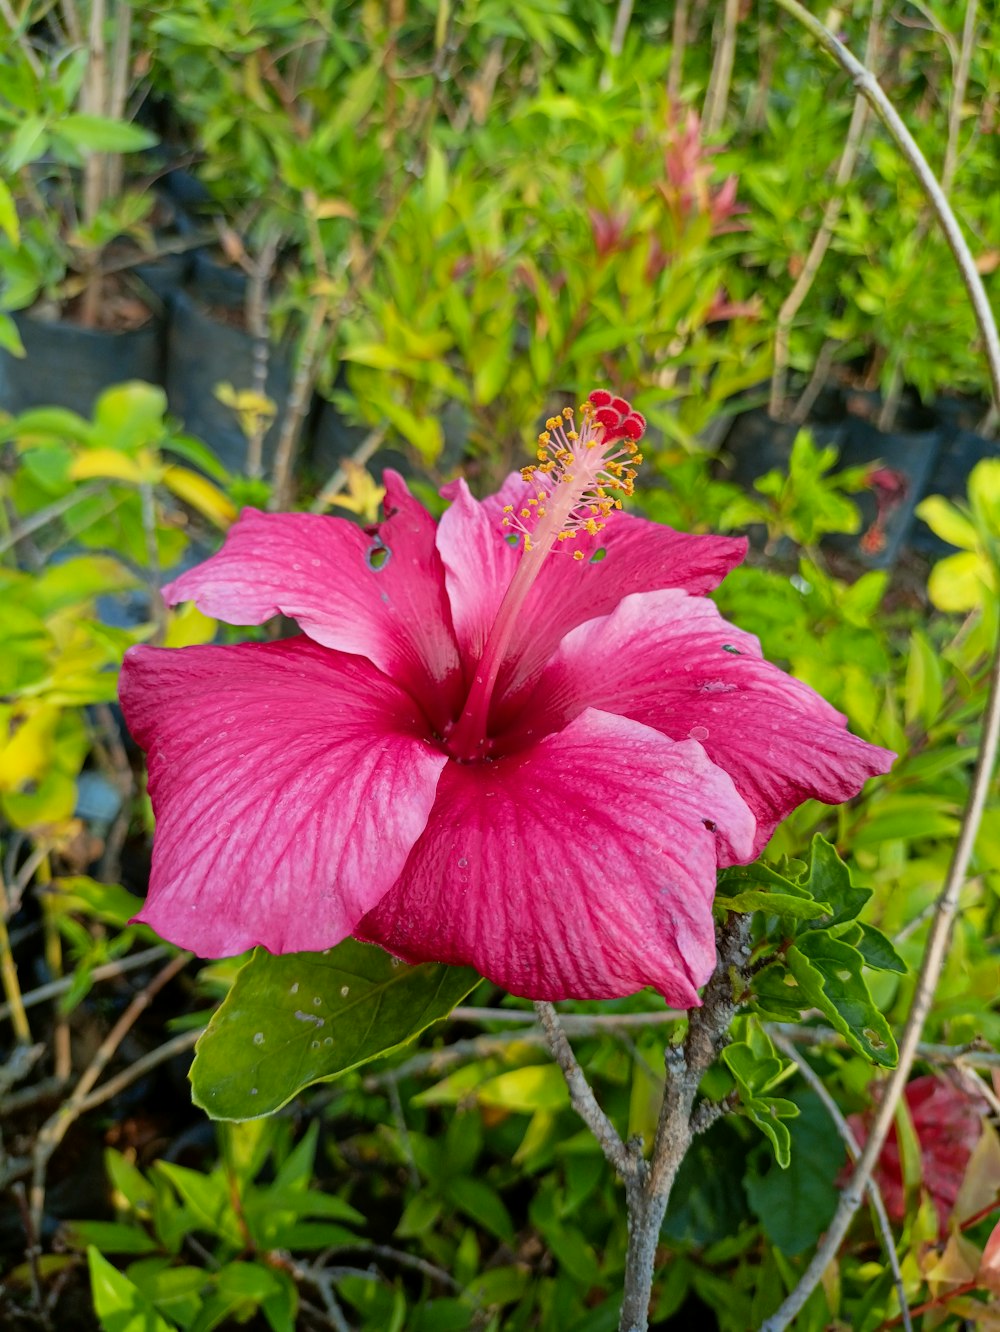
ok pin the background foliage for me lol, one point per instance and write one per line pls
(442, 221)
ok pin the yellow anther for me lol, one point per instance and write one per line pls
(525, 513)
(568, 413)
(541, 494)
(533, 503)
(578, 555)
(508, 508)
(564, 536)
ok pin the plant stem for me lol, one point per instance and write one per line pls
(678, 41)
(959, 86)
(821, 241)
(717, 95)
(940, 932)
(686, 1065)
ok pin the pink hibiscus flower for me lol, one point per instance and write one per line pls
(519, 738)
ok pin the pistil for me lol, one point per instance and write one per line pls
(575, 486)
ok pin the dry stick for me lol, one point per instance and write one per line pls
(622, 19)
(587, 1024)
(106, 971)
(678, 41)
(810, 1075)
(297, 404)
(42, 517)
(821, 241)
(930, 1052)
(93, 103)
(56, 1126)
(817, 380)
(961, 83)
(257, 284)
(121, 60)
(157, 605)
(937, 941)
(175, 1046)
(717, 96)
(361, 456)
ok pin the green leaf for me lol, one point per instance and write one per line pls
(109, 1237)
(795, 1205)
(757, 1070)
(525, 1090)
(9, 224)
(947, 522)
(306, 1017)
(878, 951)
(481, 1202)
(99, 134)
(10, 338)
(828, 880)
(120, 1306)
(829, 972)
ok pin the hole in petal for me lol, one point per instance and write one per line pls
(378, 555)
(728, 647)
(512, 538)
(598, 554)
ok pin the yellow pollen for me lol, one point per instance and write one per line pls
(508, 508)
(578, 555)
(525, 513)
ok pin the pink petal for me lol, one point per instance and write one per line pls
(583, 867)
(289, 783)
(639, 556)
(665, 659)
(316, 570)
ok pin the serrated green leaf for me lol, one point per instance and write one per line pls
(829, 973)
(878, 951)
(794, 1207)
(302, 1018)
(774, 904)
(828, 880)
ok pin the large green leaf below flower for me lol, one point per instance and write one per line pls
(307, 1017)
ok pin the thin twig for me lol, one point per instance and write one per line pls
(959, 86)
(297, 404)
(623, 17)
(821, 241)
(930, 1052)
(257, 326)
(810, 1076)
(717, 96)
(106, 971)
(397, 1256)
(361, 456)
(582, 1023)
(622, 1158)
(678, 41)
(175, 1046)
(940, 932)
(158, 606)
(47, 515)
(57, 1125)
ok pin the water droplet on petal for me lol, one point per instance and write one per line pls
(463, 862)
(698, 733)
(377, 555)
(258, 1038)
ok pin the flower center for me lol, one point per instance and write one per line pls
(582, 471)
